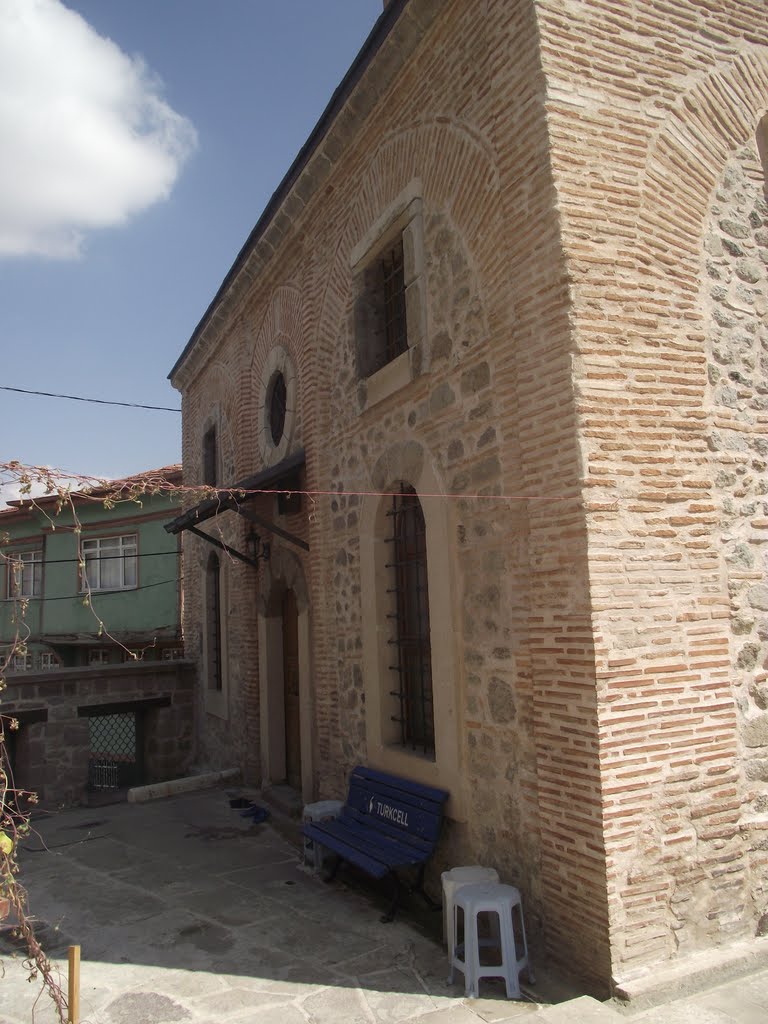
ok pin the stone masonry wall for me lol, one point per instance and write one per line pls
(653, 109)
(52, 755)
(736, 300)
(451, 107)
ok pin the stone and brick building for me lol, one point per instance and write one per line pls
(505, 324)
(91, 650)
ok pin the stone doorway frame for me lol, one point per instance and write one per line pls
(284, 571)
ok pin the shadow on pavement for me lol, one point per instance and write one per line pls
(226, 919)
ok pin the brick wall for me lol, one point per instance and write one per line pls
(490, 407)
(607, 604)
(653, 110)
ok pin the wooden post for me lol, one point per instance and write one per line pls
(73, 992)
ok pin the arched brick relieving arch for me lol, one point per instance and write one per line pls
(458, 172)
(717, 114)
(283, 318)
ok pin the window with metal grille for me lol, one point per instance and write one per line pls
(110, 563)
(410, 640)
(25, 573)
(210, 458)
(380, 313)
(393, 294)
(213, 622)
(114, 754)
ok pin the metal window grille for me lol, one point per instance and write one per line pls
(277, 405)
(114, 759)
(393, 282)
(411, 642)
(213, 624)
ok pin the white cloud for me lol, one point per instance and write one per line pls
(85, 135)
(10, 487)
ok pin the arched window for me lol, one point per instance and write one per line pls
(210, 458)
(213, 622)
(410, 639)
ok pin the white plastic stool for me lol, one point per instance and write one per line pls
(452, 880)
(323, 810)
(500, 900)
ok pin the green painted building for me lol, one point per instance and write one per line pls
(94, 582)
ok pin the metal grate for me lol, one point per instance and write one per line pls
(114, 760)
(393, 278)
(411, 618)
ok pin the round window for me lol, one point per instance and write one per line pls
(277, 405)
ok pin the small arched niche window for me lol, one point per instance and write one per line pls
(210, 458)
(410, 638)
(213, 622)
(278, 394)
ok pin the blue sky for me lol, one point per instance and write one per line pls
(132, 175)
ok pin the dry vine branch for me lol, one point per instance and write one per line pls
(15, 818)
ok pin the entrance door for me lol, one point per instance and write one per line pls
(291, 690)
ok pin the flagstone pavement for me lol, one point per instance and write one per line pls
(186, 912)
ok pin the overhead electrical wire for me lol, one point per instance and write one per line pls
(98, 594)
(80, 398)
(8, 556)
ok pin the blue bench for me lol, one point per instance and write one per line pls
(386, 825)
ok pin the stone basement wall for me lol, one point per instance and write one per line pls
(52, 755)
(654, 112)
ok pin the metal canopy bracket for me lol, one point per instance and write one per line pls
(234, 498)
(224, 547)
(265, 524)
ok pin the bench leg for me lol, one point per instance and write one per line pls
(333, 872)
(390, 914)
(419, 887)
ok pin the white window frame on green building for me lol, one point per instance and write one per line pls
(109, 563)
(25, 574)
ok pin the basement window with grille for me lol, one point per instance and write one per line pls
(410, 640)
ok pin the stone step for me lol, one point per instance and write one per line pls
(583, 1010)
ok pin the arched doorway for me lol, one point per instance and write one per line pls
(291, 696)
(284, 673)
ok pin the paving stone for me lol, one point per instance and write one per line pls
(269, 954)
